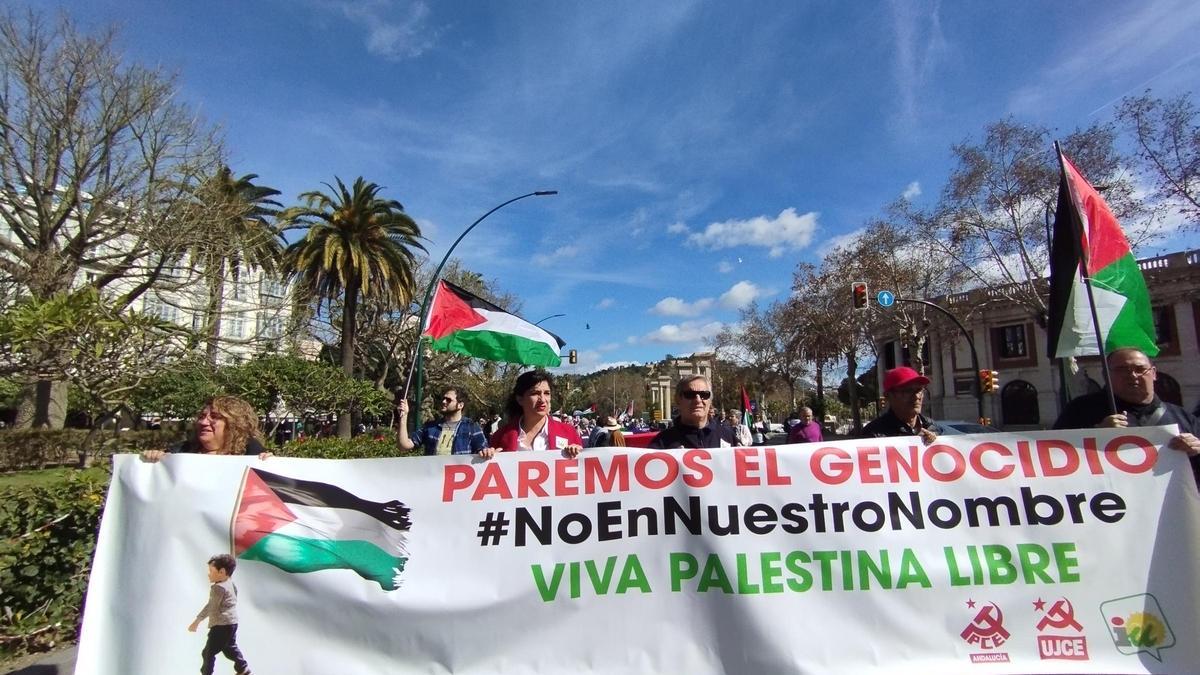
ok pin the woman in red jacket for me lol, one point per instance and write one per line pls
(529, 425)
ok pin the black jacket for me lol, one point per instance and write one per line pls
(887, 425)
(684, 436)
(1086, 412)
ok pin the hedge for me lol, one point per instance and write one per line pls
(23, 449)
(45, 558)
(359, 447)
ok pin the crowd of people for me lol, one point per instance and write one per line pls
(229, 425)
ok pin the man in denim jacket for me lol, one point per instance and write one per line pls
(453, 435)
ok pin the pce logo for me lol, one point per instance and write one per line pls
(1138, 624)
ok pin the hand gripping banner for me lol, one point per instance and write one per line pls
(1048, 552)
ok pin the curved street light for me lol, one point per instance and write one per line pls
(552, 316)
(420, 360)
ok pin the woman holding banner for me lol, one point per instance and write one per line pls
(530, 426)
(226, 425)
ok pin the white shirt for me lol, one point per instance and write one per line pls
(540, 442)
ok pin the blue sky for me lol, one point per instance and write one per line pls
(701, 149)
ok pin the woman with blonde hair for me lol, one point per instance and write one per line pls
(226, 425)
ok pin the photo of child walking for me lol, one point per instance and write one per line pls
(221, 611)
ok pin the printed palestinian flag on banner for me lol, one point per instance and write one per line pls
(1089, 241)
(465, 324)
(303, 526)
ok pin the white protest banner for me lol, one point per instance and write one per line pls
(1048, 552)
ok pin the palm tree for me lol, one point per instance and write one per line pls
(357, 244)
(240, 237)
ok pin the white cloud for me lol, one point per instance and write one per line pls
(788, 230)
(1108, 54)
(396, 30)
(608, 347)
(677, 228)
(606, 303)
(920, 46)
(912, 191)
(740, 295)
(687, 331)
(672, 306)
(725, 267)
(557, 256)
(842, 241)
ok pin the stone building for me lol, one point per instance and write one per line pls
(664, 375)
(1032, 389)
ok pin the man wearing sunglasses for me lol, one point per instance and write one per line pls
(904, 391)
(453, 435)
(693, 428)
(1133, 377)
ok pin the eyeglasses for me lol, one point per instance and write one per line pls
(908, 392)
(1136, 371)
(702, 395)
(447, 399)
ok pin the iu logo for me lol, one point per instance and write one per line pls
(1066, 641)
(1137, 623)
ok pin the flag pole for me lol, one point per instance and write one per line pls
(1077, 224)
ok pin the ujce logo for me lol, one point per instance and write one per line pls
(1138, 624)
(1066, 641)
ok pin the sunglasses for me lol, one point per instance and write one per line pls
(703, 395)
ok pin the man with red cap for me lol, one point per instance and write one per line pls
(904, 390)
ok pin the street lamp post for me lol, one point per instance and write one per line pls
(552, 316)
(420, 357)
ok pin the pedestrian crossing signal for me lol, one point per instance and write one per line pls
(859, 290)
(572, 356)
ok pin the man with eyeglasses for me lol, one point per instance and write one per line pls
(904, 391)
(1133, 377)
(453, 435)
(693, 428)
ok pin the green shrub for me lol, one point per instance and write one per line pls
(45, 558)
(38, 448)
(359, 447)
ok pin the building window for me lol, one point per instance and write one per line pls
(239, 290)
(269, 326)
(889, 355)
(159, 309)
(237, 327)
(1165, 331)
(1012, 342)
(1019, 403)
(271, 288)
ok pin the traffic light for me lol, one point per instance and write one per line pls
(859, 289)
(989, 381)
(572, 356)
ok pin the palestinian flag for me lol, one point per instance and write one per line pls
(304, 526)
(465, 324)
(746, 414)
(1089, 242)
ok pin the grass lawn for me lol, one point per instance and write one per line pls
(45, 476)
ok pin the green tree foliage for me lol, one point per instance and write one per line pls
(105, 354)
(357, 245)
(98, 161)
(272, 384)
